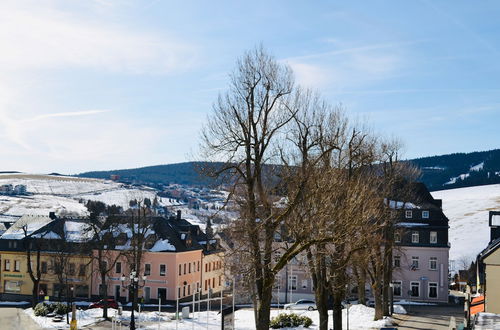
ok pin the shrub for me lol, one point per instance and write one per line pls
(290, 320)
(41, 309)
(60, 308)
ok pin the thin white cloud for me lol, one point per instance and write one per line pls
(67, 114)
(43, 36)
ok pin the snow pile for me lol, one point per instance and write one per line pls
(162, 245)
(467, 209)
(84, 318)
(487, 321)
(398, 309)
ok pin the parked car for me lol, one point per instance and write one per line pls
(100, 304)
(304, 304)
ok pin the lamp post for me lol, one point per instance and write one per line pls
(133, 286)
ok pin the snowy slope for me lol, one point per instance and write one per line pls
(467, 209)
(63, 194)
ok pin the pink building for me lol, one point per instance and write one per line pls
(174, 263)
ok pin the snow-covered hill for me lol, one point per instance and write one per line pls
(467, 209)
(63, 194)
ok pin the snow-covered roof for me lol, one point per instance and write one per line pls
(32, 223)
(49, 235)
(400, 205)
(77, 231)
(162, 245)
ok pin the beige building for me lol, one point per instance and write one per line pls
(490, 258)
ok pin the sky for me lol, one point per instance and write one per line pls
(101, 85)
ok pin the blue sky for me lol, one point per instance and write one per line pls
(89, 85)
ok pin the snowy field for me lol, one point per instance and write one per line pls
(62, 194)
(360, 317)
(467, 209)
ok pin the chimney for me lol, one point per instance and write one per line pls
(494, 225)
(52, 215)
(179, 214)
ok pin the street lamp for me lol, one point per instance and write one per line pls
(133, 286)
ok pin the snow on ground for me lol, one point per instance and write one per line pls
(360, 317)
(62, 194)
(467, 209)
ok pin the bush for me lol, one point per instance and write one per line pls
(290, 320)
(60, 308)
(41, 309)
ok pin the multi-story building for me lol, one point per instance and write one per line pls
(62, 264)
(420, 258)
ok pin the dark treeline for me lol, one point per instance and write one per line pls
(436, 171)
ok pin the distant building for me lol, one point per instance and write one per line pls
(420, 258)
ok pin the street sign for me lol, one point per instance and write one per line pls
(424, 278)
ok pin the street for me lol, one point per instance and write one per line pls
(428, 317)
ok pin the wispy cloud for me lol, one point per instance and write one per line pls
(67, 114)
(45, 36)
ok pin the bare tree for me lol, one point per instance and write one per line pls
(33, 246)
(103, 232)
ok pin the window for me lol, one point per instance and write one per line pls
(415, 237)
(433, 290)
(433, 263)
(12, 244)
(434, 237)
(414, 263)
(425, 214)
(194, 267)
(304, 284)
(397, 237)
(6, 264)
(397, 288)
(184, 269)
(415, 289)
(44, 267)
(12, 287)
(408, 214)
(220, 280)
(397, 261)
(72, 269)
(292, 282)
(180, 269)
(147, 269)
(198, 266)
(82, 270)
(163, 270)
(17, 265)
(189, 270)
(118, 268)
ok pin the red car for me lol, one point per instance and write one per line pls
(100, 304)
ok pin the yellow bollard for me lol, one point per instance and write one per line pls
(73, 323)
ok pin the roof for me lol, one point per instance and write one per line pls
(32, 223)
(492, 247)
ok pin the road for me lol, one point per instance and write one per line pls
(15, 318)
(429, 317)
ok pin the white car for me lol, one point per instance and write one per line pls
(304, 304)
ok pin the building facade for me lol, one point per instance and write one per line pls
(421, 253)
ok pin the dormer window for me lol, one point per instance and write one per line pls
(425, 214)
(408, 214)
(415, 237)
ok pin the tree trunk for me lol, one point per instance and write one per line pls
(264, 309)
(379, 312)
(104, 295)
(361, 278)
(321, 295)
(35, 293)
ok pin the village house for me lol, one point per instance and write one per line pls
(420, 257)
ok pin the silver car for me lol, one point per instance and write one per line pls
(303, 304)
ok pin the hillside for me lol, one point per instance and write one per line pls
(467, 209)
(438, 172)
(66, 195)
(181, 173)
(460, 169)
